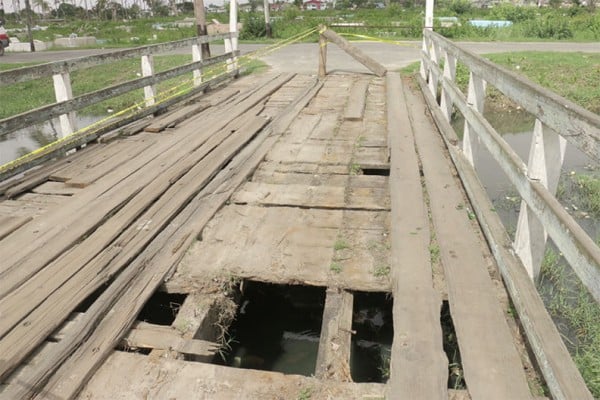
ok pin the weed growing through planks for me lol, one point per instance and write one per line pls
(340, 244)
(434, 253)
(355, 169)
(578, 316)
(335, 267)
(305, 394)
(381, 271)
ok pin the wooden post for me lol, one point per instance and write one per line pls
(475, 98)
(546, 157)
(268, 32)
(322, 53)
(63, 92)
(200, 13)
(450, 74)
(148, 70)
(197, 56)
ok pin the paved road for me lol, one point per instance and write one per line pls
(302, 57)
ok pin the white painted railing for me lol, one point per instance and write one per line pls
(558, 121)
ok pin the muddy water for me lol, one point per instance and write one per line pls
(23, 141)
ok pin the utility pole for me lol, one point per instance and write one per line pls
(29, 23)
(268, 19)
(200, 13)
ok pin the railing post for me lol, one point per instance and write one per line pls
(197, 56)
(435, 59)
(429, 14)
(425, 54)
(476, 99)
(232, 43)
(63, 92)
(148, 70)
(322, 53)
(546, 156)
(450, 74)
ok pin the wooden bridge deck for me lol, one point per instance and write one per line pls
(277, 179)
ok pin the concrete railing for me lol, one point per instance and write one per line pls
(66, 104)
(557, 122)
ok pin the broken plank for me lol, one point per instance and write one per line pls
(419, 367)
(355, 52)
(146, 336)
(491, 363)
(57, 188)
(357, 99)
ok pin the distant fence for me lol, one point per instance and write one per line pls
(66, 104)
(557, 121)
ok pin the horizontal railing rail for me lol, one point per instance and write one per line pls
(25, 74)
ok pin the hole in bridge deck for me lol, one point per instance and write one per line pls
(162, 308)
(456, 379)
(276, 328)
(88, 301)
(376, 171)
(372, 343)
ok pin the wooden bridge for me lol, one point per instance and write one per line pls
(347, 184)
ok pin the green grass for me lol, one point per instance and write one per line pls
(335, 267)
(381, 271)
(340, 244)
(578, 315)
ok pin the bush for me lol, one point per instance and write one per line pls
(254, 28)
(548, 27)
(513, 13)
(460, 6)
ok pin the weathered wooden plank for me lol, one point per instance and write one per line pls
(335, 197)
(97, 155)
(419, 368)
(180, 378)
(73, 265)
(178, 237)
(128, 150)
(355, 52)
(10, 223)
(491, 363)
(149, 337)
(556, 364)
(355, 107)
(97, 203)
(13, 187)
(333, 359)
(231, 175)
(56, 188)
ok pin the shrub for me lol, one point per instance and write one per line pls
(513, 13)
(548, 27)
(254, 27)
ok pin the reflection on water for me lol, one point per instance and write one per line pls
(23, 141)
